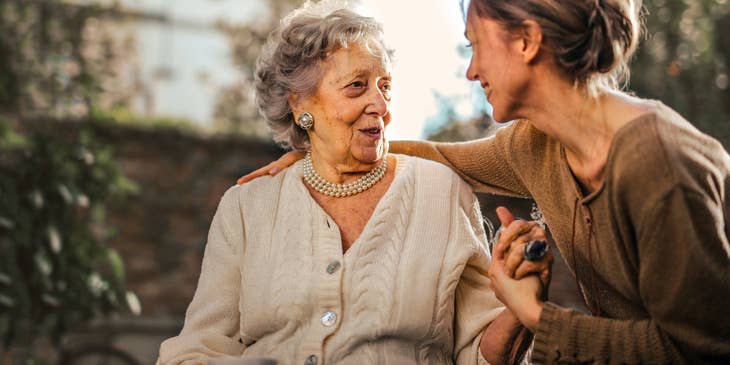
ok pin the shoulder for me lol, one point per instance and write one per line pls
(266, 185)
(525, 137)
(658, 154)
(431, 173)
(663, 148)
(438, 180)
(260, 190)
(420, 167)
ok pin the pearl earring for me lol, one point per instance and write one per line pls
(305, 121)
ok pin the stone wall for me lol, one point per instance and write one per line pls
(163, 228)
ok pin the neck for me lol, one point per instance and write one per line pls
(584, 125)
(580, 122)
(340, 170)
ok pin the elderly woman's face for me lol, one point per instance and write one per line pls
(350, 107)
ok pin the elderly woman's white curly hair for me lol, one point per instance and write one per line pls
(290, 60)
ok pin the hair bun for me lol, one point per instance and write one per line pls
(610, 38)
(591, 40)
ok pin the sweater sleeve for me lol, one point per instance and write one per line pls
(212, 320)
(475, 302)
(684, 278)
(483, 163)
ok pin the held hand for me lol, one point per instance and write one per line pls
(520, 296)
(273, 168)
(510, 247)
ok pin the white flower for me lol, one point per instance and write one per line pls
(65, 193)
(5, 279)
(133, 303)
(82, 201)
(86, 156)
(54, 238)
(44, 266)
(6, 301)
(6, 223)
(37, 199)
(97, 284)
(50, 300)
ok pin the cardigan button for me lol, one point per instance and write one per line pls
(311, 360)
(329, 318)
(333, 266)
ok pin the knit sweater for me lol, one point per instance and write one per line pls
(649, 248)
(275, 283)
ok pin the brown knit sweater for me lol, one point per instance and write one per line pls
(649, 248)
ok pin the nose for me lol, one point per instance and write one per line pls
(379, 103)
(471, 73)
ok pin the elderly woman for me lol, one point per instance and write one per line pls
(352, 255)
(638, 200)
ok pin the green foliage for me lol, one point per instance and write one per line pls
(235, 110)
(59, 58)
(55, 269)
(126, 116)
(685, 61)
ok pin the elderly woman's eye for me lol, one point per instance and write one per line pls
(358, 84)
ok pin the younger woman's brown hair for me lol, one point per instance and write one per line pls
(592, 40)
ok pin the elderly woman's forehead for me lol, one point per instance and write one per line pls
(357, 56)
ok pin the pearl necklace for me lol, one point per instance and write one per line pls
(325, 187)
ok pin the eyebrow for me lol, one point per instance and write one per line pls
(354, 74)
(359, 72)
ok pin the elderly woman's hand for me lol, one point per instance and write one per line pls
(273, 168)
(522, 297)
(510, 247)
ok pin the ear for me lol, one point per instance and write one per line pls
(294, 100)
(531, 40)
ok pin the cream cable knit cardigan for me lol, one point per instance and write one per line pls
(412, 289)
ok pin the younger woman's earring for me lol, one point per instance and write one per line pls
(305, 120)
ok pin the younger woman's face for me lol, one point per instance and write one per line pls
(497, 65)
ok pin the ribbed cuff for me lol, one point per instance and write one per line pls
(545, 348)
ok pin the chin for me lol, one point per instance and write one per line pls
(371, 154)
(501, 117)
(500, 120)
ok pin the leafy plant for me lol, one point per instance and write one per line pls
(55, 269)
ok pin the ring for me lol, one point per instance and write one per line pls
(535, 250)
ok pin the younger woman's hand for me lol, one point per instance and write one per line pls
(273, 168)
(510, 247)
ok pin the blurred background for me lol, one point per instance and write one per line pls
(123, 122)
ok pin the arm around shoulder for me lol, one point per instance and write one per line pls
(483, 163)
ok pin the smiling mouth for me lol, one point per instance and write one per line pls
(487, 89)
(374, 132)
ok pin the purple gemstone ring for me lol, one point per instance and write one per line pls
(535, 250)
